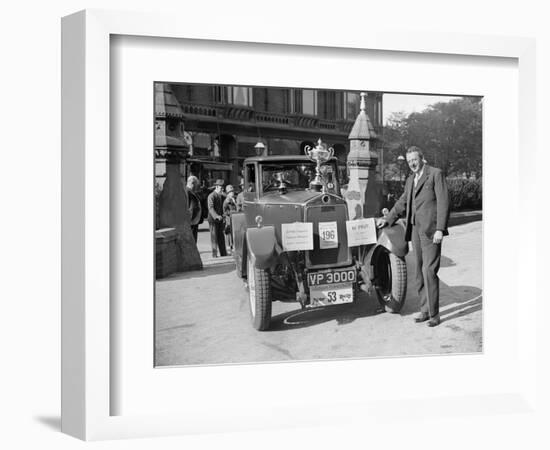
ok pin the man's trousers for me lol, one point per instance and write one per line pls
(428, 257)
(217, 238)
(195, 231)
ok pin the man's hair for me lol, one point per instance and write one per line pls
(415, 149)
(192, 179)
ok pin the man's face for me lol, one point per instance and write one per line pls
(415, 162)
(218, 188)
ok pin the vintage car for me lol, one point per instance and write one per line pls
(282, 191)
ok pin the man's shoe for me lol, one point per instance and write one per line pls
(421, 317)
(434, 321)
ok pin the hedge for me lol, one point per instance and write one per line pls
(463, 193)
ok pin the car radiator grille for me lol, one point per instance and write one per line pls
(328, 257)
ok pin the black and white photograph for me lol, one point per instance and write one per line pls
(297, 224)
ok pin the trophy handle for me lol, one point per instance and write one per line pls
(307, 148)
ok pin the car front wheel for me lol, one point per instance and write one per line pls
(390, 280)
(259, 295)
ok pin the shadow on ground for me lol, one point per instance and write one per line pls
(52, 422)
(463, 309)
(465, 300)
(462, 220)
(208, 271)
(446, 262)
(364, 306)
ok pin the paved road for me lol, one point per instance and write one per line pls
(202, 317)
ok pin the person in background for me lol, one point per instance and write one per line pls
(425, 203)
(194, 205)
(229, 207)
(215, 220)
(240, 197)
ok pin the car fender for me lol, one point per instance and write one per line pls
(262, 245)
(238, 228)
(393, 239)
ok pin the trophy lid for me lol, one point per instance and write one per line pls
(321, 149)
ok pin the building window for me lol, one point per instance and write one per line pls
(326, 105)
(291, 102)
(237, 95)
(303, 101)
(219, 94)
(351, 105)
(296, 102)
(339, 105)
(250, 178)
(309, 102)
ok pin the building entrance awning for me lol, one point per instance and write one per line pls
(212, 165)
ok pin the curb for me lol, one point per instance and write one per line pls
(220, 261)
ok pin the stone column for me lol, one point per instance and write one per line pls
(174, 214)
(364, 194)
(170, 143)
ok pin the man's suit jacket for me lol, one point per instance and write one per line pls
(194, 207)
(215, 206)
(431, 198)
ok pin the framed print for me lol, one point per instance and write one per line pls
(282, 245)
(139, 361)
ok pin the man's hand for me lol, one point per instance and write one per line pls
(381, 222)
(438, 237)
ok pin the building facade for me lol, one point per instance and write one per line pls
(216, 127)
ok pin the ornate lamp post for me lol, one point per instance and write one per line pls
(401, 163)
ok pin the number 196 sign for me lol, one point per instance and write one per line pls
(328, 235)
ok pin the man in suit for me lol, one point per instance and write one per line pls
(194, 205)
(240, 197)
(426, 205)
(215, 220)
(229, 207)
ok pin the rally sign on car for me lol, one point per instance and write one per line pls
(361, 232)
(297, 236)
(331, 294)
(328, 235)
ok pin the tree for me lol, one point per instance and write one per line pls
(449, 133)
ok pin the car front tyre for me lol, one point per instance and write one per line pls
(259, 295)
(391, 280)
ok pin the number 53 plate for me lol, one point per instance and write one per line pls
(331, 294)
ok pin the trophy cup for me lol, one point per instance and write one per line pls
(319, 155)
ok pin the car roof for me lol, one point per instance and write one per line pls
(281, 158)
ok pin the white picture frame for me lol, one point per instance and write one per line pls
(87, 325)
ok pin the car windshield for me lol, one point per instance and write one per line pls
(295, 176)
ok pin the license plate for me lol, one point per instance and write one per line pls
(331, 294)
(331, 276)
